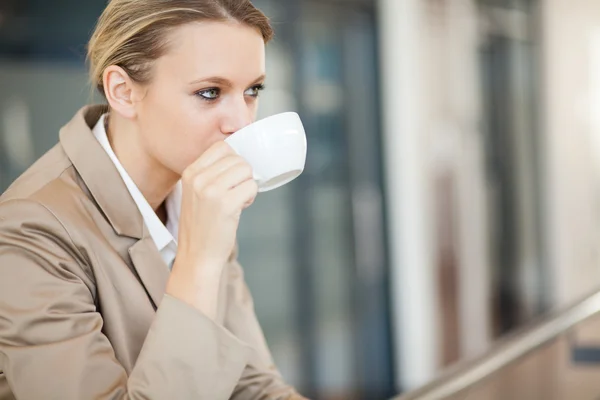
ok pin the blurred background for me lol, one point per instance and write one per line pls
(451, 195)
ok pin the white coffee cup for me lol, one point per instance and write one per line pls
(275, 148)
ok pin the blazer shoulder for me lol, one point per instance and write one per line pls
(47, 168)
(53, 183)
(47, 217)
(26, 217)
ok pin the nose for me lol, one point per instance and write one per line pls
(237, 115)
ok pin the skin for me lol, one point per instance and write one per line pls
(173, 128)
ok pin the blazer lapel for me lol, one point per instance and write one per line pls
(150, 267)
(110, 193)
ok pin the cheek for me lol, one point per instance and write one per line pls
(185, 133)
(196, 134)
(161, 117)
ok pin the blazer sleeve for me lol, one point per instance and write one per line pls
(51, 340)
(260, 380)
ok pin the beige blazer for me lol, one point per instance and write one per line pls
(83, 313)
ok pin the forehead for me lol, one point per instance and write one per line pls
(206, 49)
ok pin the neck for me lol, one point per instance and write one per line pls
(152, 178)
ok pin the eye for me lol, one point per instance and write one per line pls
(255, 90)
(209, 94)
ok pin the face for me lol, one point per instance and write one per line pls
(205, 88)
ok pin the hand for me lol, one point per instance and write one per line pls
(216, 188)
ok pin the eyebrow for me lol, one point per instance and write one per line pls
(223, 81)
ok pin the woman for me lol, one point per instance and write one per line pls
(118, 273)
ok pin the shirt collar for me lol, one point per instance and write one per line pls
(161, 235)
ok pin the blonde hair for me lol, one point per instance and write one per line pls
(132, 33)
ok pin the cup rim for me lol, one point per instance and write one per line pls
(270, 117)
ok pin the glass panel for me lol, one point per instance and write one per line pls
(509, 94)
(329, 329)
(313, 251)
(43, 78)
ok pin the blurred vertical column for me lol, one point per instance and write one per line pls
(412, 275)
(570, 118)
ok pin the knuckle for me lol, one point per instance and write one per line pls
(187, 176)
(211, 192)
(198, 185)
(225, 147)
(234, 159)
(246, 169)
(253, 186)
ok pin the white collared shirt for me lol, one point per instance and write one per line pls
(165, 237)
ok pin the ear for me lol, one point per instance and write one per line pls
(120, 91)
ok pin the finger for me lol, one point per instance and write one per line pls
(242, 196)
(210, 174)
(214, 153)
(249, 202)
(232, 177)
